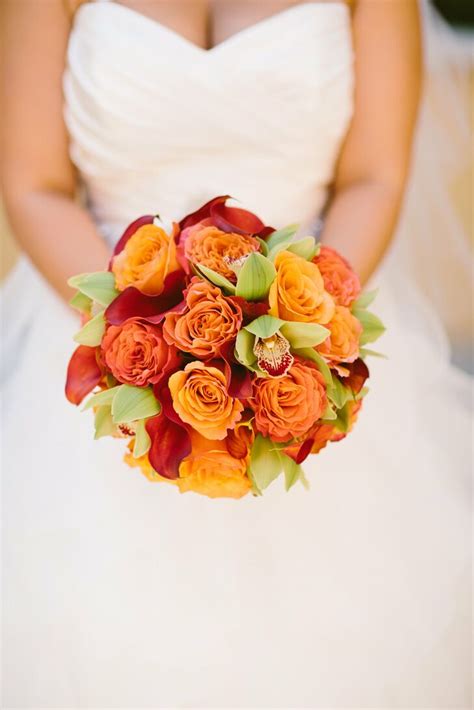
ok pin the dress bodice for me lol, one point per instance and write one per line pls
(158, 124)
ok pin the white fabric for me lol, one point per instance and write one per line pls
(121, 593)
(433, 244)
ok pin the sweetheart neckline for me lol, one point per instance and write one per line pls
(237, 36)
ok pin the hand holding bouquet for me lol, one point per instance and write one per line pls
(221, 349)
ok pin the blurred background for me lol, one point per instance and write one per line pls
(449, 63)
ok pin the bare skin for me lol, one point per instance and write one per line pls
(39, 180)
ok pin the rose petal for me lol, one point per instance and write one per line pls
(132, 303)
(172, 364)
(202, 213)
(83, 373)
(170, 444)
(235, 219)
(129, 232)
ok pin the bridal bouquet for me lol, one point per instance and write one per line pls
(224, 351)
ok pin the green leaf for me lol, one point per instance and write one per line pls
(255, 489)
(339, 394)
(279, 240)
(110, 380)
(364, 300)
(104, 397)
(91, 333)
(329, 414)
(132, 403)
(291, 469)
(360, 395)
(99, 286)
(304, 335)
(342, 421)
(306, 248)
(264, 326)
(372, 326)
(103, 422)
(142, 440)
(265, 464)
(81, 302)
(313, 355)
(216, 279)
(304, 481)
(255, 277)
(366, 352)
(244, 350)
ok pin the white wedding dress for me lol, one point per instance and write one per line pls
(123, 593)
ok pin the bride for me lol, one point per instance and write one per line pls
(119, 593)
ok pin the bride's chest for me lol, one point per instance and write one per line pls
(287, 79)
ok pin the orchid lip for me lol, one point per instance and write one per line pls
(127, 430)
(273, 355)
(235, 265)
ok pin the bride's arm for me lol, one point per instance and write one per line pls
(374, 161)
(38, 180)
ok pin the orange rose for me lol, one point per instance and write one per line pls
(343, 343)
(287, 407)
(339, 278)
(212, 471)
(146, 260)
(201, 399)
(298, 293)
(324, 433)
(210, 246)
(135, 352)
(211, 321)
(321, 434)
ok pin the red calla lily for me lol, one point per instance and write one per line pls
(202, 213)
(358, 374)
(83, 373)
(228, 219)
(239, 380)
(240, 385)
(170, 444)
(132, 303)
(304, 450)
(163, 395)
(235, 219)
